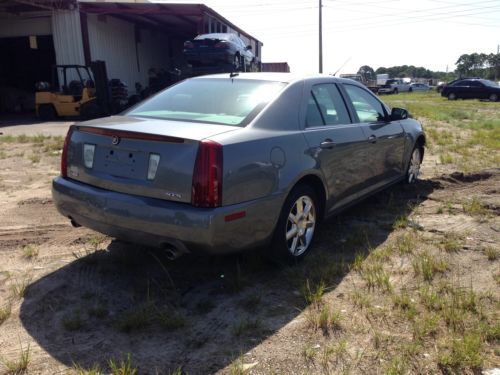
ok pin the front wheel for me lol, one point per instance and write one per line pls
(452, 96)
(493, 97)
(413, 170)
(395, 91)
(297, 223)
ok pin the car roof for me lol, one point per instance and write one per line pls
(279, 77)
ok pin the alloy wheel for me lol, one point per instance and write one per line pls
(414, 167)
(300, 225)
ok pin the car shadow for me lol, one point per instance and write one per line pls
(197, 313)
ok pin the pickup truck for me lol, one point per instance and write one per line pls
(393, 86)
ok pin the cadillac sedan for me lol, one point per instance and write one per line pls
(229, 162)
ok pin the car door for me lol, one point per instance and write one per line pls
(477, 90)
(336, 144)
(384, 138)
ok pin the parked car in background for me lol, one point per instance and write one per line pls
(393, 86)
(217, 49)
(227, 162)
(472, 88)
(420, 87)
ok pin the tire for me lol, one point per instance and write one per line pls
(413, 170)
(452, 96)
(237, 62)
(410, 89)
(47, 112)
(493, 97)
(395, 91)
(294, 232)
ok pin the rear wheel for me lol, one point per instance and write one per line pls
(236, 62)
(413, 170)
(294, 232)
(395, 91)
(452, 96)
(493, 97)
(46, 112)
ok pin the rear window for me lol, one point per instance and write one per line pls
(223, 101)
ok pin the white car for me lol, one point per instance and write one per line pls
(420, 87)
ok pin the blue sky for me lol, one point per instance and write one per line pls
(429, 33)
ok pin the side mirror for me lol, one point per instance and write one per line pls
(248, 48)
(399, 114)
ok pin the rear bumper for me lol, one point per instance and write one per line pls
(208, 57)
(158, 223)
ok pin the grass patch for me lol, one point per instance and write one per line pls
(406, 243)
(322, 317)
(5, 312)
(405, 304)
(19, 366)
(376, 277)
(491, 253)
(247, 327)
(124, 367)
(79, 370)
(30, 251)
(474, 207)
(425, 325)
(35, 158)
(462, 353)
(313, 293)
(426, 265)
(452, 242)
(19, 288)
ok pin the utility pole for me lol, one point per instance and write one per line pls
(320, 39)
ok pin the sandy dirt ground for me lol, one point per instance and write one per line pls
(78, 298)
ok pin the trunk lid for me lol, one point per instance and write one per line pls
(119, 153)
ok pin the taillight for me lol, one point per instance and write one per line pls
(188, 45)
(207, 176)
(64, 156)
(221, 44)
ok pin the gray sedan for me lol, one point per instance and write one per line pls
(228, 162)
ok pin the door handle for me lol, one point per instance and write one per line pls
(372, 138)
(327, 143)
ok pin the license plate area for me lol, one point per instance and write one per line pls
(121, 162)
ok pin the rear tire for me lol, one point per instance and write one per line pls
(47, 112)
(294, 232)
(236, 62)
(413, 170)
(395, 91)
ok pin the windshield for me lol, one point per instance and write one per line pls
(223, 101)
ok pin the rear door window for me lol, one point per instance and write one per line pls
(325, 106)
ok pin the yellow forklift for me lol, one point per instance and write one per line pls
(83, 92)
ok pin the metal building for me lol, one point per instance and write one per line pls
(131, 37)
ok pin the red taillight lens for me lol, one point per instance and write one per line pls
(188, 45)
(207, 176)
(221, 45)
(64, 156)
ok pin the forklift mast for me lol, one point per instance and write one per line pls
(103, 93)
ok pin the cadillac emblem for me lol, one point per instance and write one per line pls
(115, 140)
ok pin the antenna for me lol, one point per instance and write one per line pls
(345, 62)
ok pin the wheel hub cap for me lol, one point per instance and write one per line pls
(300, 225)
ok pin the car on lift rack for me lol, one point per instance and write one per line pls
(219, 49)
(227, 162)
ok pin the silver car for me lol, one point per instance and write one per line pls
(229, 162)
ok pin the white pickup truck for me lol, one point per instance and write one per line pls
(393, 86)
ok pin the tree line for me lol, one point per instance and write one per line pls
(468, 65)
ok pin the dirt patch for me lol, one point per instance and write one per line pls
(85, 298)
